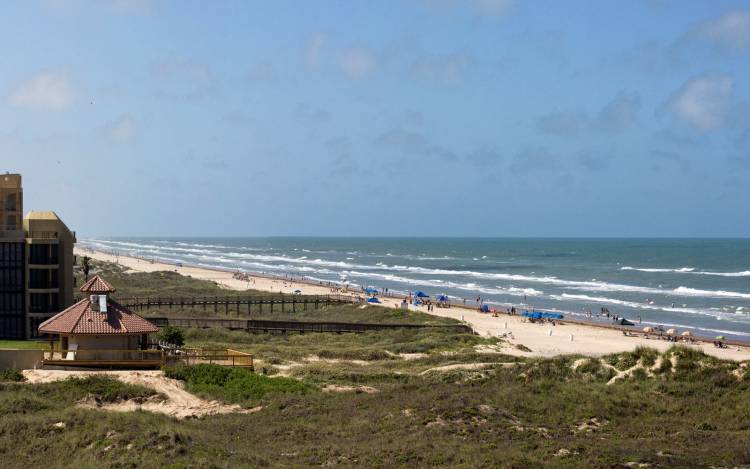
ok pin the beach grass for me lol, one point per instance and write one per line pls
(232, 385)
(534, 413)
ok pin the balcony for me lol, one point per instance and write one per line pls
(42, 235)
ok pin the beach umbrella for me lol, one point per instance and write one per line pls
(648, 329)
(687, 334)
(373, 300)
(421, 294)
(298, 291)
(370, 290)
(672, 332)
(442, 298)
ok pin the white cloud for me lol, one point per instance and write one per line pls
(445, 69)
(731, 30)
(357, 62)
(123, 129)
(315, 49)
(620, 113)
(47, 91)
(703, 100)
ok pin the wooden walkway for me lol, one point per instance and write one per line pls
(237, 304)
(266, 325)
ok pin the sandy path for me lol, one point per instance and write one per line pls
(543, 340)
(179, 403)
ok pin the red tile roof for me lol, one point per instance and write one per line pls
(81, 319)
(97, 284)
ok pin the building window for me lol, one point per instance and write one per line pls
(38, 254)
(10, 202)
(39, 303)
(39, 278)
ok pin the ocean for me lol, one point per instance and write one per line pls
(697, 284)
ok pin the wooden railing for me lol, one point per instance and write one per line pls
(237, 304)
(223, 357)
(118, 355)
(266, 325)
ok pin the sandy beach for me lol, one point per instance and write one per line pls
(543, 340)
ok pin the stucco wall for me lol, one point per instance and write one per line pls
(21, 359)
(102, 346)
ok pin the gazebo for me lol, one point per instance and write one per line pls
(99, 331)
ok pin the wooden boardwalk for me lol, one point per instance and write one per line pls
(238, 304)
(268, 325)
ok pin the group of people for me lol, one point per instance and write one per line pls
(242, 276)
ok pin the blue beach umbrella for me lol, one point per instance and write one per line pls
(370, 290)
(442, 298)
(421, 294)
(373, 300)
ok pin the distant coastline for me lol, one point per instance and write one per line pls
(570, 336)
(688, 284)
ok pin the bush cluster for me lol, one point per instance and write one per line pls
(235, 385)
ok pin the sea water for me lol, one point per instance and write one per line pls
(697, 284)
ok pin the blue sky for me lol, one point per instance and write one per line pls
(397, 117)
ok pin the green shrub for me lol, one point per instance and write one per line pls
(358, 354)
(21, 405)
(104, 388)
(12, 374)
(235, 385)
(172, 335)
(626, 360)
(665, 366)
(646, 355)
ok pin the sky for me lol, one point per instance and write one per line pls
(388, 118)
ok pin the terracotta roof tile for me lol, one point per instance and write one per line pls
(96, 284)
(81, 319)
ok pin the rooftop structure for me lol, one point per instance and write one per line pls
(99, 330)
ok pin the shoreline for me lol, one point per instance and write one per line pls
(544, 340)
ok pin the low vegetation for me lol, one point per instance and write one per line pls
(233, 385)
(402, 398)
(12, 375)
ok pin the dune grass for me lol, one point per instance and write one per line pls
(679, 408)
(232, 385)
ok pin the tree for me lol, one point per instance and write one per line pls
(86, 266)
(172, 335)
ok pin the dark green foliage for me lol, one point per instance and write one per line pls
(593, 370)
(233, 385)
(12, 374)
(172, 335)
(102, 388)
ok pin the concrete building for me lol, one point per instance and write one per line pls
(36, 264)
